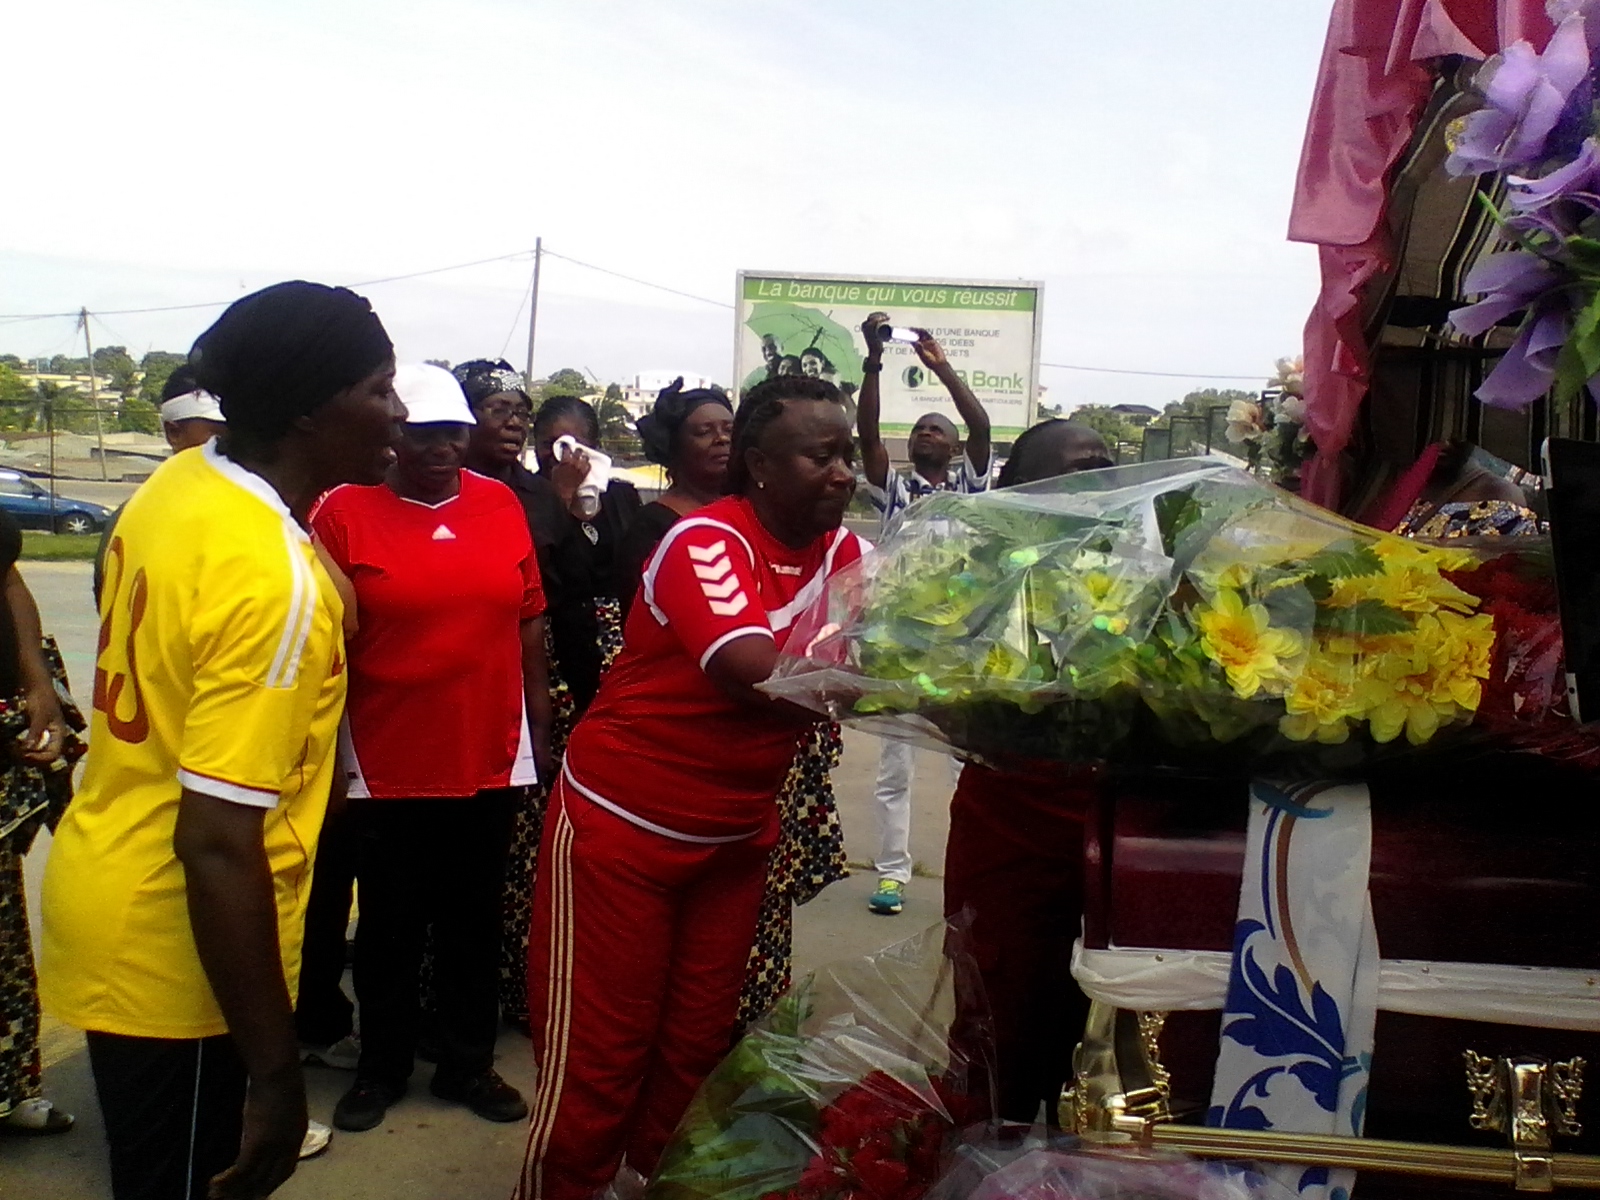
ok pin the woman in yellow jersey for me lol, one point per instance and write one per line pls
(175, 892)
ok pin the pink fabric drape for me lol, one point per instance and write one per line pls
(1371, 87)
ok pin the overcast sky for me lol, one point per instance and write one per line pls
(1138, 157)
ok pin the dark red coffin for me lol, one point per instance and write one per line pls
(1495, 859)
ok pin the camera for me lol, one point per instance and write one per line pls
(889, 332)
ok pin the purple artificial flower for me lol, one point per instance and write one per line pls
(1528, 368)
(1579, 181)
(1525, 94)
(1509, 282)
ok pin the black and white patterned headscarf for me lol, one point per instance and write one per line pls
(483, 377)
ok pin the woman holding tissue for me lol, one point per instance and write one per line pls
(577, 542)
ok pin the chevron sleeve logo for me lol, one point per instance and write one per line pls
(720, 586)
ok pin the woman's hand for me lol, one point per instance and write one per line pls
(47, 729)
(567, 474)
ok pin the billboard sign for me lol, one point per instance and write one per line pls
(812, 324)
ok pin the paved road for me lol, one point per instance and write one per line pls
(427, 1148)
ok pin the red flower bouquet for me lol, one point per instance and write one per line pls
(882, 1139)
(850, 1088)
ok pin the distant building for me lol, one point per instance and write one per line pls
(639, 394)
(1136, 414)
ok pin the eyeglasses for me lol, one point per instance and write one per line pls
(500, 410)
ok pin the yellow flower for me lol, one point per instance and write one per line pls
(1462, 650)
(1420, 682)
(1241, 640)
(1321, 701)
(1411, 579)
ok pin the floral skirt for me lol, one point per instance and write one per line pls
(30, 797)
(808, 857)
(19, 990)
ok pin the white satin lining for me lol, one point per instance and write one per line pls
(1187, 980)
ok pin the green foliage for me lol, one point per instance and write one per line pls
(614, 392)
(158, 367)
(1200, 403)
(115, 363)
(58, 547)
(1176, 512)
(566, 382)
(62, 364)
(14, 388)
(1579, 358)
(1365, 618)
(617, 436)
(1112, 426)
(73, 412)
(138, 415)
(19, 401)
(1346, 560)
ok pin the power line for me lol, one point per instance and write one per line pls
(516, 320)
(1162, 374)
(159, 308)
(660, 287)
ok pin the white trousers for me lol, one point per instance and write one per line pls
(892, 808)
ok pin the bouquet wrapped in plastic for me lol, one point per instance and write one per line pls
(850, 1087)
(1186, 614)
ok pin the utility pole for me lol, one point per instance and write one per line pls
(94, 397)
(533, 303)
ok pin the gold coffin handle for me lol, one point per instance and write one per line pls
(1480, 1164)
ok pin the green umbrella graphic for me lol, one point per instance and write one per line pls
(797, 329)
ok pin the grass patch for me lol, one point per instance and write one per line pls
(59, 547)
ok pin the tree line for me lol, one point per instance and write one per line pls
(130, 403)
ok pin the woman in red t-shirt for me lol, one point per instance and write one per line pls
(655, 847)
(448, 714)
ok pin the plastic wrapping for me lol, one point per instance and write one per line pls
(851, 1086)
(1183, 614)
(1031, 1172)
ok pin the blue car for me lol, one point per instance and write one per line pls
(29, 505)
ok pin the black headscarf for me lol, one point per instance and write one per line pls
(658, 428)
(282, 352)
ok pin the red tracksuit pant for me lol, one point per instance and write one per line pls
(1015, 862)
(635, 960)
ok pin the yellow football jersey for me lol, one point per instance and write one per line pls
(221, 670)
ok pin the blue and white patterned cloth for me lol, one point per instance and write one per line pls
(901, 490)
(1297, 1028)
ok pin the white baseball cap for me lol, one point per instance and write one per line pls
(191, 406)
(431, 395)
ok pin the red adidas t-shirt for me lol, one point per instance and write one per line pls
(662, 745)
(436, 701)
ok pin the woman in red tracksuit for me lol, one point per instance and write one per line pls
(1014, 862)
(655, 848)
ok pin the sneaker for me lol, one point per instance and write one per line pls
(364, 1105)
(486, 1094)
(316, 1140)
(889, 899)
(342, 1055)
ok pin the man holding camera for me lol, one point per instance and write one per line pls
(933, 446)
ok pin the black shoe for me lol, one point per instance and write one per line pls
(486, 1094)
(364, 1105)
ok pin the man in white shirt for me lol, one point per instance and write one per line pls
(933, 446)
